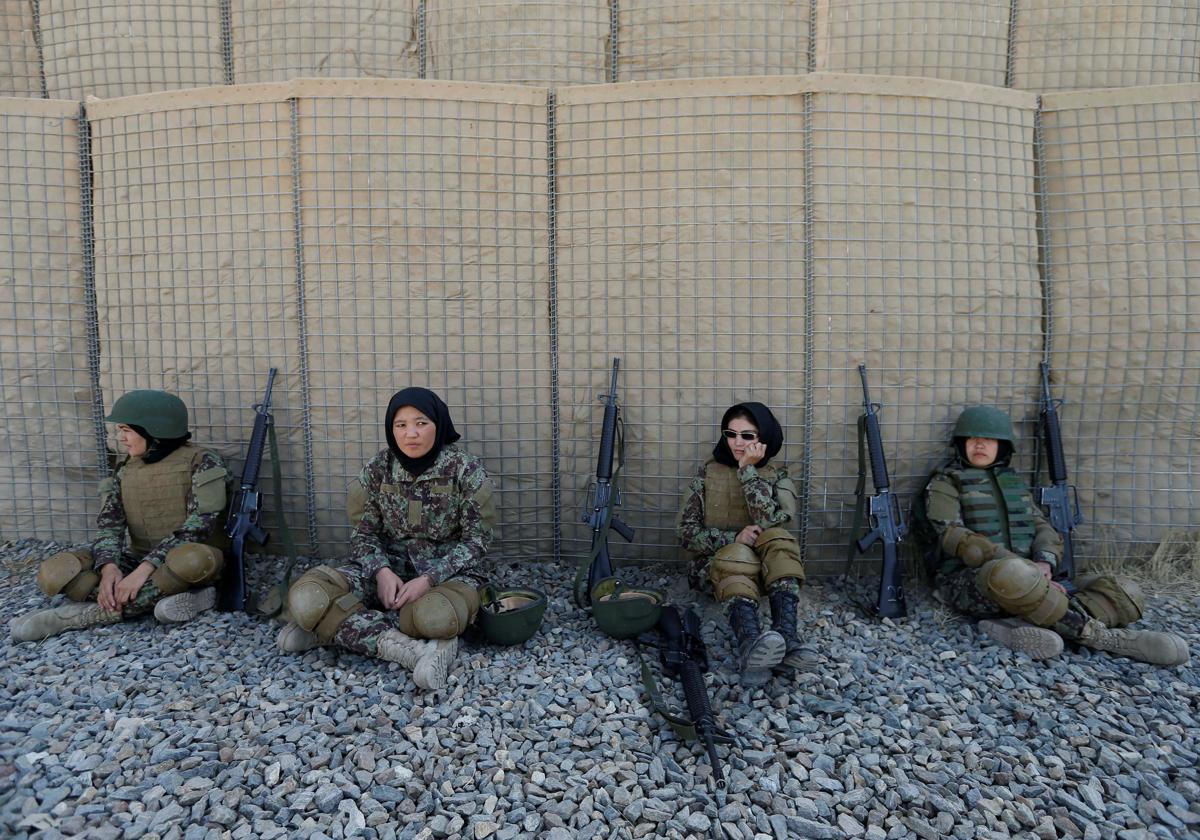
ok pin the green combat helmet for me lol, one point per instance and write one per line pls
(984, 421)
(510, 616)
(623, 612)
(162, 415)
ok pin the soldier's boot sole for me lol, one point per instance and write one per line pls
(176, 609)
(35, 626)
(293, 638)
(765, 652)
(434, 666)
(1149, 646)
(394, 646)
(799, 658)
(1036, 642)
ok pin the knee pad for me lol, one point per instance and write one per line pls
(187, 566)
(780, 554)
(1020, 588)
(734, 572)
(321, 600)
(68, 572)
(1113, 601)
(443, 612)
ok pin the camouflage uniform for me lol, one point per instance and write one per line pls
(439, 524)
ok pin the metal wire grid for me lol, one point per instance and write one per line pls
(20, 67)
(526, 41)
(195, 270)
(278, 41)
(48, 469)
(943, 39)
(425, 253)
(1078, 44)
(671, 40)
(118, 49)
(925, 269)
(1123, 209)
(680, 250)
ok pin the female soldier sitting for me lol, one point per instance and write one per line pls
(424, 519)
(169, 497)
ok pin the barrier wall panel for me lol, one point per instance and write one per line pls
(680, 250)
(942, 39)
(924, 268)
(538, 42)
(276, 41)
(670, 40)
(20, 73)
(195, 265)
(1073, 44)
(49, 462)
(119, 49)
(426, 263)
(1122, 211)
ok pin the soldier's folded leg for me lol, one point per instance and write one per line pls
(1151, 646)
(444, 612)
(1020, 589)
(779, 553)
(1113, 601)
(321, 600)
(188, 566)
(69, 573)
(35, 626)
(1019, 635)
(734, 572)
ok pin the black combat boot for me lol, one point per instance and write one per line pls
(797, 656)
(757, 650)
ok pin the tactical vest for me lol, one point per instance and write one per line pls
(155, 498)
(725, 500)
(1006, 519)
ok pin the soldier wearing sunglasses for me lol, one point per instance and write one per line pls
(735, 520)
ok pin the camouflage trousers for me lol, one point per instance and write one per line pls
(958, 591)
(145, 599)
(699, 581)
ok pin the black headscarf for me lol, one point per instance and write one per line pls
(159, 448)
(431, 405)
(769, 432)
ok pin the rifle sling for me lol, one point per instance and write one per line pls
(289, 545)
(683, 727)
(860, 496)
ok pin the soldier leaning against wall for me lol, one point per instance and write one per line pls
(423, 517)
(160, 537)
(996, 557)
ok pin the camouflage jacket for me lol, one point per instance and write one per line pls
(762, 500)
(110, 539)
(439, 524)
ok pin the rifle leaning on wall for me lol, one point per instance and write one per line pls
(886, 520)
(605, 497)
(1058, 498)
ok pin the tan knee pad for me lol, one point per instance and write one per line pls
(187, 566)
(321, 600)
(68, 572)
(1113, 601)
(780, 554)
(734, 572)
(443, 612)
(1020, 588)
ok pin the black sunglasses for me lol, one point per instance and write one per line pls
(731, 434)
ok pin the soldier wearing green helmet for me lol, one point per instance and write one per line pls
(996, 555)
(160, 537)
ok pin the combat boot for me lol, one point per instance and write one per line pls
(293, 638)
(175, 609)
(797, 656)
(428, 659)
(758, 651)
(1020, 635)
(43, 624)
(1143, 645)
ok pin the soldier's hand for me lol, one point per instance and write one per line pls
(1048, 574)
(110, 576)
(753, 454)
(127, 589)
(413, 590)
(748, 535)
(387, 587)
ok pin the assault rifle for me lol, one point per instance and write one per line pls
(887, 523)
(605, 497)
(246, 510)
(1060, 499)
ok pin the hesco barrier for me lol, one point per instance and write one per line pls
(70, 49)
(729, 239)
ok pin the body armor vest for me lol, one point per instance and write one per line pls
(995, 503)
(724, 500)
(155, 498)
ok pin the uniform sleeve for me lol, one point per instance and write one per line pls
(477, 521)
(209, 476)
(770, 505)
(110, 523)
(366, 541)
(689, 525)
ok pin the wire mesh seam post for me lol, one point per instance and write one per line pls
(421, 41)
(310, 497)
(87, 225)
(226, 13)
(809, 307)
(614, 38)
(810, 61)
(1013, 6)
(36, 12)
(552, 244)
(1042, 227)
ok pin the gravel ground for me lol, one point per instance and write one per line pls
(924, 729)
